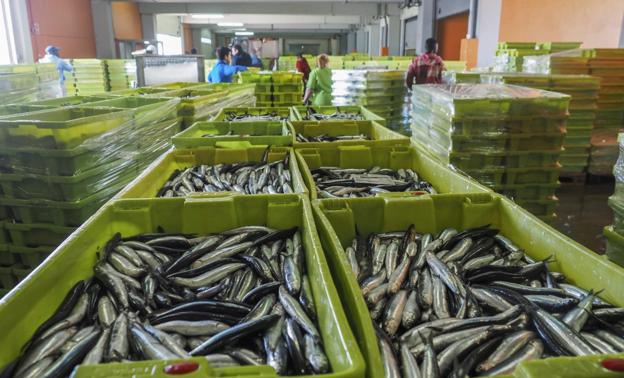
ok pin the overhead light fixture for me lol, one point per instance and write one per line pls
(146, 42)
(207, 15)
(241, 33)
(206, 40)
(239, 29)
(230, 24)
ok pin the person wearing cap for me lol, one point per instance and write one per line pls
(52, 56)
(222, 72)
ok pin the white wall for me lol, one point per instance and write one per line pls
(361, 41)
(168, 24)
(373, 39)
(351, 37)
(322, 42)
(394, 35)
(488, 22)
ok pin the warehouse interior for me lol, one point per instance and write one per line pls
(342, 188)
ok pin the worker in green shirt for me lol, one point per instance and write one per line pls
(320, 83)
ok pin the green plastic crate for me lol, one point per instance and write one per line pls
(6, 257)
(443, 179)
(517, 159)
(37, 234)
(256, 133)
(29, 257)
(615, 245)
(75, 258)
(527, 191)
(378, 134)
(515, 176)
(69, 188)
(264, 97)
(338, 221)
(293, 97)
(147, 91)
(7, 279)
(288, 88)
(15, 109)
(71, 214)
(20, 272)
(178, 85)
(573, 159)
(299, 113)
(68, 101)
(139, 104)
(222, 115)
(539, 207)
(509, 142)
(62, 162)
(62, 128)
(156, 175)
(4, 235)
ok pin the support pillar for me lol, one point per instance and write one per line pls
(103, 29)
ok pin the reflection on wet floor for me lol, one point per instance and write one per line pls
(583, 212)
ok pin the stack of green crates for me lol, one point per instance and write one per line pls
(228, 129)
(198, 101)
(48, 77)
(507, 137)
(117, 75)
(571, 62)
(286, 63)
(88, 77)
(614, 234)
(380, 91)
(275, 88)
(608, 65)
(510, 55)
(583, 91)
(60, 163)
(555, 47)
(18, 83)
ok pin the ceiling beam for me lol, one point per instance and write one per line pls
(366, 9)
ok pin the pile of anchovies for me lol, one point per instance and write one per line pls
(327, 138)
(245, 178)
(312, 115)
(334, 182)
(269, 116)
(241, 297)
(472, 303)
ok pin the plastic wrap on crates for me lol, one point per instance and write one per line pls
(98, 163)
(488, 100)
(558, 62)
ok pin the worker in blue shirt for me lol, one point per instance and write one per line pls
(222, 72)
(255, 59)
(52, 56)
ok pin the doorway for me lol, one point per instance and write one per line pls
(451, 30)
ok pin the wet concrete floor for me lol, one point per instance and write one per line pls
(583, 212)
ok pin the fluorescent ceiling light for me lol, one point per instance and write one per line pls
(244, 33)
(239, 29)
(207, 15)
(231, 24)
(146, 42)
(206, 40)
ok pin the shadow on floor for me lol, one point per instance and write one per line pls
(583, 212)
